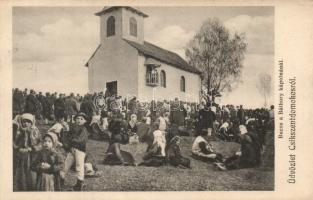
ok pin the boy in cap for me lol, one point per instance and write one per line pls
(75, 145)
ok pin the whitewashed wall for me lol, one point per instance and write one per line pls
(172, 89)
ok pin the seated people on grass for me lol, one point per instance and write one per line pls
(173, 154)
(250, 151)
(98, 130)
(155, 154)
(203, 150)
(119, 135)
(133, 129)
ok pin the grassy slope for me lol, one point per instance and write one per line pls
(202, 176)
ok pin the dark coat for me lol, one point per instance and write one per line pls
(47, 105)
(251, 150)
(71, 106)
(77, 138)
(118, 128)
(56, 161)
(28, 138)
(18, 102)
(88, 108)
(241, 116)
(206, 118)
(32, 105)
(59, 107)
(177, 115)
(175, 158)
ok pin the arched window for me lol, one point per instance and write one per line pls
(182, 84)
(163, 79)
(152, 76)
(110, 26)
(133, 26)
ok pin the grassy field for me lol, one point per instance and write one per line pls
(202, 176)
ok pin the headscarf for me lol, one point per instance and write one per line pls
(28, 117)
(133, 120)
(242, 129)
(53, 137)
(34, 135)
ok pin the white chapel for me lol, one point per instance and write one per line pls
(127, 65)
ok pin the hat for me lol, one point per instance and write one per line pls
(242, 129)
(29, 117)
(81, 114)
(53, 137)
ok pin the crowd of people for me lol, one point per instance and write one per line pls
(42, 159)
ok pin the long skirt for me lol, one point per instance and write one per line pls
(218, 158)
(179, 160)
(25, 179)
(112, 159)
(45, 182)
(154, 161)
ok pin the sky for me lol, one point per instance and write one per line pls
(52, 44)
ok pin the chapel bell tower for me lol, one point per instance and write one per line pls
(119, 22)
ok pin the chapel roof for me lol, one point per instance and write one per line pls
(107, 9)
(169, 57)
(158, 53)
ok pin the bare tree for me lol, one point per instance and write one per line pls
(264, 85)
(218, 55)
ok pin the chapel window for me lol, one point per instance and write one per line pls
(110, 26)
(182, 84)
(163, 79)
(152, 76)
(133, 26)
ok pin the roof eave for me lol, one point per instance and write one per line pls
(87, 63)
(126, 7)
(195, 70)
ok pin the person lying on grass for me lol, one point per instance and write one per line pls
(250, 151)
(203, 150)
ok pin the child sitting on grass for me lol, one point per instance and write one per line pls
(48, 165)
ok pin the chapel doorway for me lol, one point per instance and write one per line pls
(111, 88)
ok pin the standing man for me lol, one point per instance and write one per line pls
(206, 119)
(241, 115)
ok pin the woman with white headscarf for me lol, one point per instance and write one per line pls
(27, 143)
